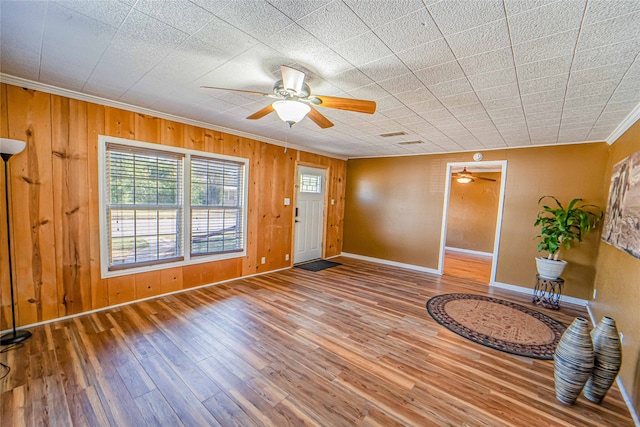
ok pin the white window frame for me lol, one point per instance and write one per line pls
(103, 140)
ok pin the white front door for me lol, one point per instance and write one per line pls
(309, 214)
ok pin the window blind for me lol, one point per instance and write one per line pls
(217, 211)
(144, 201)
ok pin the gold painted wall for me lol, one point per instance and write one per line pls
(54, 205)
(394, 208)
(618, 283)
(472, 214)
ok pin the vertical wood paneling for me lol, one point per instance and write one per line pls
(71, 200)
(148, 284)
(147, 128)
(171, 133)
(57, 206)
(5, 290)
(95, 127)
(119, 123)
(29, 117)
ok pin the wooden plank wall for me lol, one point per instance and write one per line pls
(55, 212)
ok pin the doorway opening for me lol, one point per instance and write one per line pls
(472, 219)
(309, 214)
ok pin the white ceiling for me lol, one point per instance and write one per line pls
(458, 75)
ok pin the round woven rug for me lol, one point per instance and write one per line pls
(499, 324)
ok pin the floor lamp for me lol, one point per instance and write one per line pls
(9, 147)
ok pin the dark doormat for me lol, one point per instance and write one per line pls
(318, 265)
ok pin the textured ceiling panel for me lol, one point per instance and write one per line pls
(454, 74)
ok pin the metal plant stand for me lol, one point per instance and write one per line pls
(547, 292)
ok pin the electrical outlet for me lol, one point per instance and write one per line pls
(595, 292)
(263, 260)
(333, 202)
(286, 257)
(621, 338)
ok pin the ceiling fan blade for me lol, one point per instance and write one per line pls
(261, 113)
(291, 78)
(357, 105)
(486, 179)
(319, 119)
(238, 90)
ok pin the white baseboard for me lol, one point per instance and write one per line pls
(468, 251)
(71, 316)
(623, 391)
(523, 290)
(392, 263)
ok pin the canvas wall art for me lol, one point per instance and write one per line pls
(622, 220)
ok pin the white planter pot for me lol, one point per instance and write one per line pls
(550, 268)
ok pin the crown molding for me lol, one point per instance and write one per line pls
(54, 90)
(629, 121)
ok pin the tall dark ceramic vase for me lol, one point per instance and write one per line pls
(608, 358)
(573, 361)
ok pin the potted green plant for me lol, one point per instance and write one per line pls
(561, 227)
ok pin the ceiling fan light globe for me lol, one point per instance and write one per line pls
(464, 179)
(291, 112)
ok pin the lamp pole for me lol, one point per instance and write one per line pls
(9, 147)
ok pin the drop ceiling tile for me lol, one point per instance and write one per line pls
(544, 106)
(591, 75)
(557, 82)
(184, 16)
(553, 46)
(545, 115)
(333, 23)
(451, 87)
(468, 109)
(388, 103)
(459, 99)
(553, 18)
(213, 6)
(602, 88)
(427, 106)
(427, 55)
(75, 49)
(543, 97)
(394, 113)
(409, 31)
(227, 40)
(622, 106)
(187, 64)
(414, 96)
(351, 79)
(110, 12)
(371, 92)
(362, 49)
(486, 62)
(375, 14)
(499, 104)
(440, 73)
(498, 92)
(493, 78)
(545, 68)
(601, 10)
(410, 120)
(298, 9)
(611, 31)
(629, 83)
(454, 16)
(485, 38)
(384, 68)
(515, 7)
(505, 115)
(20, 50)
(621, 53)
(258, 19)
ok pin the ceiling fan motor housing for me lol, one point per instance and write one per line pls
(281, 91)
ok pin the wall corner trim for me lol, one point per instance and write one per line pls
(392, 263)
(623, 391)
(523, 290)
(633, 117)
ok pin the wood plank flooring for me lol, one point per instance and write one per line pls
(350, 345)
(467, 266)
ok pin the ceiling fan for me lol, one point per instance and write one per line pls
(295, 101)
(466, 177)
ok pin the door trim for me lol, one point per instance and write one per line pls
(327, 171)
(445, 210)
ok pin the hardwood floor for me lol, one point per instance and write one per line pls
(467, 266)
(351, 345)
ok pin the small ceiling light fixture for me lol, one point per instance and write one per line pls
(291, 112)
(464, 179)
